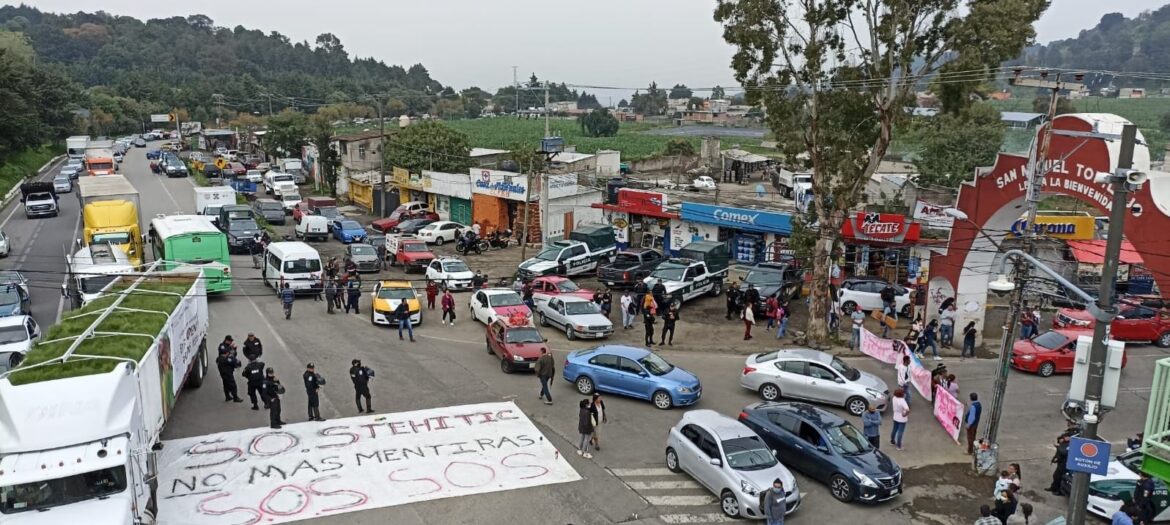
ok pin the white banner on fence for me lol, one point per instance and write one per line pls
(312, 470)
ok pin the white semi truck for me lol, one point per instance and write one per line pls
(80, 418)
(75, 146)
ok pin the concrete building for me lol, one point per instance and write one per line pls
(359, 152)
(571, 161)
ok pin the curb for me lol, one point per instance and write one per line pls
(16, 189)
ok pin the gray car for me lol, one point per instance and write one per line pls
(811, 375)
(730, 460)
(364, 256)
(271, 210)
(62, 184)
(577, 316)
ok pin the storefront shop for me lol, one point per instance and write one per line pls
(640, 219)
(411, 187)
(751, 235)
(452, 195)
(569, 205)
(497, 198)
(881, 245)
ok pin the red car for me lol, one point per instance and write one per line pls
(1140, 319)
(518, 347)
(410, 210)
(1049, 353)
(410, 253)
(548, 286)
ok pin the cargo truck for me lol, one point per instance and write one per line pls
(92, 269)
(295, 168)
(75, 146)
(99, 158)
(111, 213)
(81, 416)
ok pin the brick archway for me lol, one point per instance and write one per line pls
(996, 198)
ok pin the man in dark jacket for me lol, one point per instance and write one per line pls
(254, 375)
(1143, 497)
(733, 297)
(353, 291)
(313, 382)
(360, 376)
(773, 503)
(659, 291)
(402, 315)
(331, 292)
(640, 290)
(752, 295)
(227, 363)
(584, 428)
(546, 369)
(253, 347)
(273, 390)
(1060, 458)
(668, 320)
(287, 296)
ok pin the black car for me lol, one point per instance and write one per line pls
(271, 210)
(240, 233)
(412, 226)
(774, 279)
(629, 267)
(827, 448)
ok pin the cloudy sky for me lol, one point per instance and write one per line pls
(622, 43)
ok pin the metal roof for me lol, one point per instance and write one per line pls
(743, 156)
(1019, 116)
(175, 225)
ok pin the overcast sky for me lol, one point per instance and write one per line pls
(623, 43)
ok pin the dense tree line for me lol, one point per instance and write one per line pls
(35, 98)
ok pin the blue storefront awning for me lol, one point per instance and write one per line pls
(746, 219)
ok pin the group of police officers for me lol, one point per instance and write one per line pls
(263, 384)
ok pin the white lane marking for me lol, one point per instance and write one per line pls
(624, 472)
(695, 518)
(681, 501)
(663, 485)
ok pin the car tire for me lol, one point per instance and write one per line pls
(1046, 369)
(1162, 342)
(856, 405)
(770, 392)
(543, 319)
(729, 504)
(717, 289)
(569, 333)
(505, 366)
(672, 460)
(439, 240)
(584, 385)
(840, 488)
(662, 400)
(489, 347)
(905, 311)
(848, 307)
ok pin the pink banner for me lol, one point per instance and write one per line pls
(919, 375)
(949, 413)
(890, 351)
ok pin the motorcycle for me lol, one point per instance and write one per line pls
(479, 246)
(500, 240)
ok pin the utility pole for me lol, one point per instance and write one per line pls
(1079, 499)
(516, 90)
(527, 210)
(382, 151)
(547, 112)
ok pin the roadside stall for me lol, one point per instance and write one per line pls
(640, 219)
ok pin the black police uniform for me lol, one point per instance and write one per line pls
(353, 291)
(227, 364)
(253, 349)
(360, 376)
(254, 374)
(313, 384)
(272, 390)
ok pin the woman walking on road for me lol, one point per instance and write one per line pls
(968, 341)
(448, 307)
(584, 428)
(432, 292)
(749, 318)
(901, 416)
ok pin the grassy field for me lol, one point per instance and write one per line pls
(502, 132)
(25, 164)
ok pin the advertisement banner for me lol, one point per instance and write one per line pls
(933, 216)
(318, 469)
(503, 184)
(1068, 227)
(641, 202)
(949, 413)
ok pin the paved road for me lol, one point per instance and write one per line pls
(626, 481)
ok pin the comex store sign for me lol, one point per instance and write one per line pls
(747, 219)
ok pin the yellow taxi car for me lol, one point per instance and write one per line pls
(386, 298)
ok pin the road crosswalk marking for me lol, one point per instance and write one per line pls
(663, 485)
(695, 518)
(676, 497)
(627, 472)
(687, 501)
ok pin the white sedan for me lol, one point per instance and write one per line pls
(18, 333)
(490, 304)
(439, 232)
(450, 272)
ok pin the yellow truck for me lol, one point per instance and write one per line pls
(111, 213)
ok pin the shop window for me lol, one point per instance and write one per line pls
(362, 151)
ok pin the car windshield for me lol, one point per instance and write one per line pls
(844, 369)
(626, 259)
(112, 237)
(362, 249)
(748, 453)
(94, 284)
(505, 299)
(395, 293)
(328, 211)
(549, 254)
(523, 335)
(61, 180)
(271, 206)
(44, 494)
(759, 277)
(302, 266)
(845, 439)
(669, 273)
(243, 224)
(567, 286)
(1050, 340)
(290, 197)
(9, 295)
(581, 308)
(212, 210)
(351, 225)
(455, 267)
(656, 365)
(12, 334)
(415, 247)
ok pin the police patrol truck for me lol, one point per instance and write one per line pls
(576, 257)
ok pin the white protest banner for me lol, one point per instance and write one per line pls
(949, 413)
(317, 469)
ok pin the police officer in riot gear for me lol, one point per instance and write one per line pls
(313, 382)
(360, 376)
(227, 363)
(254, 374)
(273, 390)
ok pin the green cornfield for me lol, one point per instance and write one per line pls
(502, 132)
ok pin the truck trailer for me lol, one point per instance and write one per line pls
(111, 213)
(75, 146)
(81, 416)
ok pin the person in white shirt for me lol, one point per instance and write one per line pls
(858, 318)
(901, 416)
(946, 328)
(903, 373)
(627, 309)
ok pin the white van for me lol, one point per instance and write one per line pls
(295, 263)
(273, 177)
(312, 227)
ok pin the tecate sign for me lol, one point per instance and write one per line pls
(735, 216)
(882, 225)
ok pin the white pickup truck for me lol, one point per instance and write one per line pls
(576, 256)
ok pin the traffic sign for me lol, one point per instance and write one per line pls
(162, 117)
(1088, 455)
(221, 163)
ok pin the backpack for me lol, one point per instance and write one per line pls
(632, 309)
(320, 379)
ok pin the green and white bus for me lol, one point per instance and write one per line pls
(193, 240)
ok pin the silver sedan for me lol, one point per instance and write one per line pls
(812, 375)
(577, 316)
